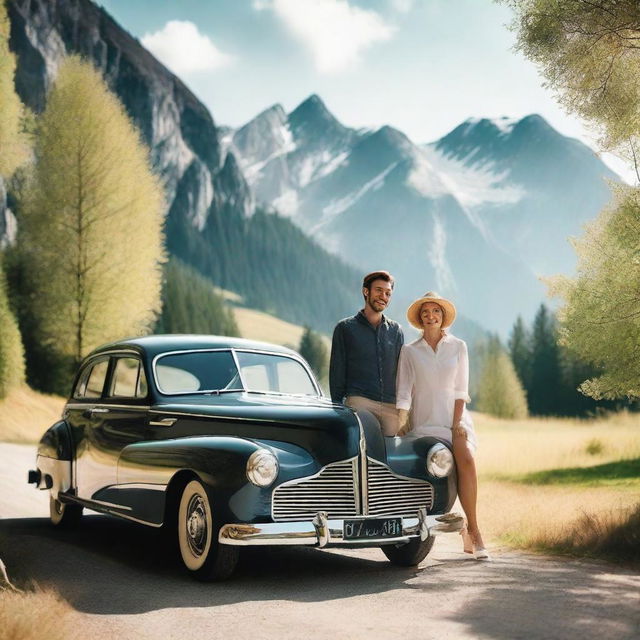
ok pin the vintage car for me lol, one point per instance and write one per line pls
(228, 442)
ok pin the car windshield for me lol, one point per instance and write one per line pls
(216, 371)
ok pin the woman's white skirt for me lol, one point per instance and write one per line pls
(444, 433)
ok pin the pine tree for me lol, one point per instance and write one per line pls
(545, 387)
(90, 232)
(190, 304)
(315, 352)
(520, 351)
(498, 390)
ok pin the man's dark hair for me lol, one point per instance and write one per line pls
(377, 275)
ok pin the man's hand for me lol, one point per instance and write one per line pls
(403, 421)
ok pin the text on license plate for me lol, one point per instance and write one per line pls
(364, 528)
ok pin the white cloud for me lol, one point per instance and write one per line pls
(335, 32)
(181, 47)
(403, 6)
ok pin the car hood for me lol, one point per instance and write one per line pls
(328, 431)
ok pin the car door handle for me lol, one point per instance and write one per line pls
(163, 422)
(98, 410)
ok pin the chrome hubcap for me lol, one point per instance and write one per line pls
(197, 525)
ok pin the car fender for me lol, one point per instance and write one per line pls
(147, 469)
(54, 460)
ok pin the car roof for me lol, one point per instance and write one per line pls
(156, 344)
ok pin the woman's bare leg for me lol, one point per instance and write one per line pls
(467, 483)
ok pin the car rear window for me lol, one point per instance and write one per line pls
(129, 380)
(92, 379)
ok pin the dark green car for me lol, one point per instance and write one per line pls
(227, 443)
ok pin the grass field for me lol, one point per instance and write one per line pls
(548, 484)
(560, 485)
(26, 414)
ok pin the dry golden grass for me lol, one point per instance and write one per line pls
(596, 521)
(512, 447)
(26, 414)
(35, 615)
(257, 325)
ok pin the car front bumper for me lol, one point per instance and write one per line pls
(323, 532)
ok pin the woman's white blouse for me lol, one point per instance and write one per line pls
(429, 382)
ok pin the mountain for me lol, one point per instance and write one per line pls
(478, 215)
(212, 222)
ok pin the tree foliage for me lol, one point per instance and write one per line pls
(270, 262)
(13, 143)
(601, 317)
(90, 228)
(314, 351)
(499, 391)
(589, 52)
(191, 305)
(520, 351)
(11, 351)
(544, 388)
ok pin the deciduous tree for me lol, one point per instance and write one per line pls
(589, 52)
(11, 352)
(13, 144)
(90, 231)
(315, 352)
(499, 391)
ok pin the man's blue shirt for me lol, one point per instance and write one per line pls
(364, 359)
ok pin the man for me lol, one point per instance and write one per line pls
(364, 355)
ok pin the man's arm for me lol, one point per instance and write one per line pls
(338, 365)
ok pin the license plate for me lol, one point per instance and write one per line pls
(365, 528)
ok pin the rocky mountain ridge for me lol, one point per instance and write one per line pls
(211, 219)
(480, 214)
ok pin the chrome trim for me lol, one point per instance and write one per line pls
(363, 475)
(320, 523)
(86, 405)
(98, 410)
(110, 504)
(317, 494)
(148, 486)
(389, 492)
(307, 533)
(210, 416)
(95, 506)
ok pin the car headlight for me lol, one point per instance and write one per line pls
(439, 461)
(262, 468)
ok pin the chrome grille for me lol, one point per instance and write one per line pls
(393, 495)
(331, 490)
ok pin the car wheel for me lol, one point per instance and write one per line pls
(64, 515)
(410, 554)
(201, 553)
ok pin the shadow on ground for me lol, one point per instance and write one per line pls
(108, 566)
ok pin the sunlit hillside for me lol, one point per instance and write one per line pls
(25, 414)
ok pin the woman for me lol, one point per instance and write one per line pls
(433, 381)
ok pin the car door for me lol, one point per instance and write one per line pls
(83, 412)
(122, 421)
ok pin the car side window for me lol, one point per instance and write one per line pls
(128, 379)
(92, 379)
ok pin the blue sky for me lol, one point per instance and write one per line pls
(422, 66)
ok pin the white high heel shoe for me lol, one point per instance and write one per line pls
(469, 546)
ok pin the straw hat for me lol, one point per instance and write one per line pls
(413, 312)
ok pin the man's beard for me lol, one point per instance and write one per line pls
(376, 305)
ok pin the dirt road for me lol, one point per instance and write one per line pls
(122, 583)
